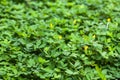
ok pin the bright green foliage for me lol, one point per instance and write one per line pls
(59, 39)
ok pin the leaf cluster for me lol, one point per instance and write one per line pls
(59, 39)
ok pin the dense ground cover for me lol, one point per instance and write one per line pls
(60, 40)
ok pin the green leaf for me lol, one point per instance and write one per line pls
(68, 71)
(41, 60)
